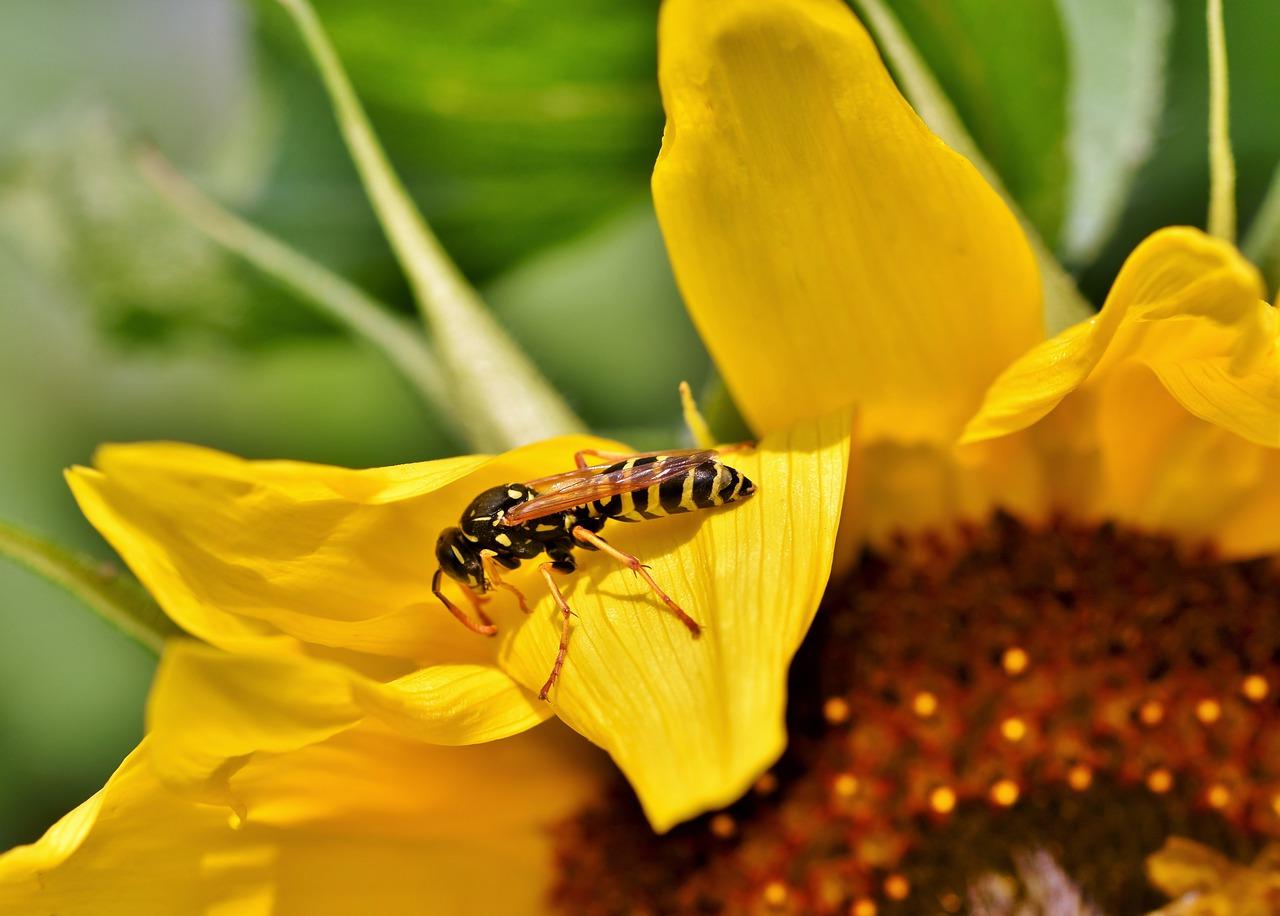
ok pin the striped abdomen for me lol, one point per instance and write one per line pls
(705, 486)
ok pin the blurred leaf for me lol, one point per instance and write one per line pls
(72, 204)
(516, 124)
(113, 595)
(1003, 66)
(603, 317)
(1116, 62)
(1173, 187)
(1262, 243)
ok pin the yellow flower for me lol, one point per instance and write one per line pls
(833, 253)
(1204, 882)
(329, 666)
(818, 228)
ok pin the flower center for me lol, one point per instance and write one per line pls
(1069, 694)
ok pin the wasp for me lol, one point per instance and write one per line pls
(556, 515)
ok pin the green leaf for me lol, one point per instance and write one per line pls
(502, 401)
(1116, 59)
(1262, 244)
(113, 595)
(1003, 66)
(1171, 189)
(516, 125)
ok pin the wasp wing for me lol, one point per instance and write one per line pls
(584, 485)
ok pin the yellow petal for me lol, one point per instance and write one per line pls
(363, 822)
(693, 722)
(1180, 298)
(1163, 411)
(211, 708)
(820, 231)
(247, 554)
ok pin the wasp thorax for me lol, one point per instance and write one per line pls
(482, 522)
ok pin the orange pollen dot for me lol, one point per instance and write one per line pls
(1005, 793)
(1080, 777)
(863, 907)
(1151, 713)
(1275, 803)
(1208, 711)
(723, 826)
(775, 894)
(897, 887)
(943, 799)
(1015, 661)
(1013, 729)
(836, 710)
(1159, 780)
(767, 784)
(924, 704)
(1255, 688)
(1218, 796)
(845, 785)
(950, 902)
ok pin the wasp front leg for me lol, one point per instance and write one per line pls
(491, 572)
(484, 626)
(588, 537)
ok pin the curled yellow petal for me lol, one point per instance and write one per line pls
(210, 709)
(1164, 410)
(1181, 296)
(819, 229)
(362, 822)
(693, 722)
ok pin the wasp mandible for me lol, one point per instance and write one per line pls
(555, 515)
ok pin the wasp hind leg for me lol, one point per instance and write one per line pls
(588, 537)
(547, 569)
(482, 625)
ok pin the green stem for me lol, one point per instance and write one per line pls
(324, 290)
(1063, 304)
(503, 400)
(113, 595)
(1222, 165)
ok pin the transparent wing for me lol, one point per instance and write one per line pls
(583, 485)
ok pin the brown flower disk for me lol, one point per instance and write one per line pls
(1085, 690)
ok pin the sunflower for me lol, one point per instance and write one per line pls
(1020, 519)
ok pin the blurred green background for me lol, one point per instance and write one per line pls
(526, 129)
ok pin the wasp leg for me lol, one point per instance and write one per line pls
(484, 626)
(547, 569)
(491, 570)
(580, 458)
(633, 563)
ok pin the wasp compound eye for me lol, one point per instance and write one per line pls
(459, 559)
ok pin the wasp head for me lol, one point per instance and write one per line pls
(460, 559)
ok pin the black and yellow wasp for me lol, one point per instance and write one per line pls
(556, 515)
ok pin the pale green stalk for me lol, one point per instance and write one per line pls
(503, 400)
(1063, 304)
(114, 596)
(331, 295)
(1222, 165)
